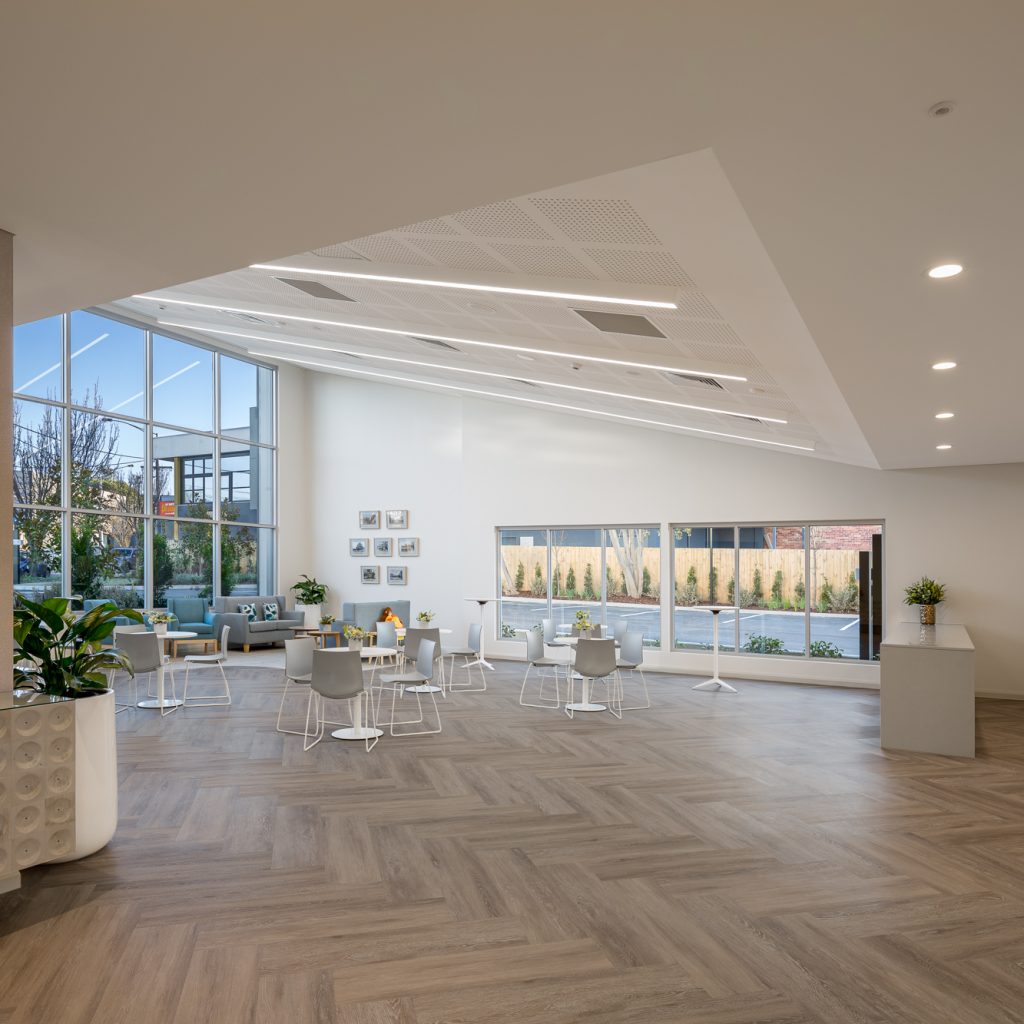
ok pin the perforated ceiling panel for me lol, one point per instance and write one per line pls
(500, 220)
(459, 255)
(549, 260)
(596, 220)
(642, 266)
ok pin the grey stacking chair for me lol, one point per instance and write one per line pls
(298, 670)
(118, 631)
(218, 660)
(536, 658)
(595, 662)
(413, 639)
(387, 634)
(399, 683)
(631, 657)
(550, 634)
(469, 654)
(620, 627)
(595, 631)
(337, 675)
(145, 653)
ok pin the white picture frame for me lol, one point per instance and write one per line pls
(369, 520)
(359, 547)
(383, 547)
(398, 575)
(397, 518)
(369, 574)
(408, 547)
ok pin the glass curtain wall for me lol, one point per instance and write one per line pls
(795, 588)
(143, 465)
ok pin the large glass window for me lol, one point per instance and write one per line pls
(523, 570)
(575, 576)
(633, 580)
(798, 590)
(90, 519)
(108, 364)
(182, 384)
(39, 359)
(771, 568)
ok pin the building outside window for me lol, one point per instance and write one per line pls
(98, 399)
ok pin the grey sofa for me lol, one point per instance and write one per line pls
(245, 633)
(366, 614)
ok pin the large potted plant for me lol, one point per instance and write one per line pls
(310, 594)
(62, 655)
(926, 593)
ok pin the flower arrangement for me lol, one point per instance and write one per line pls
(425, 617)
(583, 620)
(159, 618)
(354, 632)
(326, 620)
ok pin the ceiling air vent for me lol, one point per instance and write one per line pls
(314, 288)
(435, 343)
(620, 323)
(525, 383)
(693, 378)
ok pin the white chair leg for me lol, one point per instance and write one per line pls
(212, 700)
(314, 699)
(647, 696)
(540, 693)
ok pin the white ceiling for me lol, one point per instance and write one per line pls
(143, 150)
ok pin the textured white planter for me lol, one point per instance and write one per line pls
(159, 628)
(95, 775)
(311, 614)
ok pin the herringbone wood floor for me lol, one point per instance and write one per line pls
(716, 859)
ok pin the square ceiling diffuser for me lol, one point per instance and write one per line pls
(620, 323)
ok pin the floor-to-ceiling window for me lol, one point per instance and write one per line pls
(143, 464)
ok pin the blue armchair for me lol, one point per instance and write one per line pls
(193, 614)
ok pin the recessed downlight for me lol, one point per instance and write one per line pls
(944, 415)
(947, 365)
(945, 270)
(943, 447)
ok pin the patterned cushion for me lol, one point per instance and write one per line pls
(270, 611)
(249, 611)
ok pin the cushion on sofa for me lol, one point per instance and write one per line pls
(270, 611)
(249, 611)
(199, 628)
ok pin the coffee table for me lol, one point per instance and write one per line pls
(161, 701)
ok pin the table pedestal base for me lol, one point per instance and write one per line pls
(716, 684)
(423, 688)
(587, 707)
(356, 734)
(160, 704)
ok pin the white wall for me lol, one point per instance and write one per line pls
(464, 466)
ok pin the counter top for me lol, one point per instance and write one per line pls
(942, 638)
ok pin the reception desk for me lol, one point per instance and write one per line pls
(928, 689)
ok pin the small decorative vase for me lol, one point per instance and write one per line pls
(584, 634)
(159, 628)
(927, 615)
(355, 643)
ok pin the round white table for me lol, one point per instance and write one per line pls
(161, 701)
(359, 729)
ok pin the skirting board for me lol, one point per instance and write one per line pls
(10, 882)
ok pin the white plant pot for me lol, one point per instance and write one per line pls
(159, 628)
(355, 644)
(95, 775)
(310, 615)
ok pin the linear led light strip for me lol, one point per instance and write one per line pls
(466, 286)
(478, 373)
(438, 337)
(530, 401)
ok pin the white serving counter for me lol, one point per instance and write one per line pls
(927, 683)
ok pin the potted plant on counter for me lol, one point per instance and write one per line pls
(310, 594)
(325, 622)
(62, 655)
(425, 619)
(354, 635)
(926, 593)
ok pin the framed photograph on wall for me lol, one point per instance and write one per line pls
(398, 575)
(369, 520)
(408, 547)
(369, 574)
(359, 547)
(383, 547)
(397, 518)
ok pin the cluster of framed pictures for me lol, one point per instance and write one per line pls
(384, 547)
